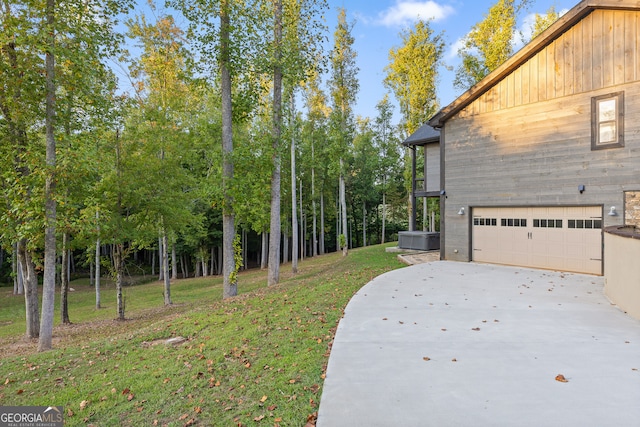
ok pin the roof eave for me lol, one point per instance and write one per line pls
(562, 25)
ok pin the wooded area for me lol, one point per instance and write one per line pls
(180, 171)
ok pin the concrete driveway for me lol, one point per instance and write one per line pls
(463, 344)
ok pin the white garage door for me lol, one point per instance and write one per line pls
(555, 238)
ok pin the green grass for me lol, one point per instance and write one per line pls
(257, 359)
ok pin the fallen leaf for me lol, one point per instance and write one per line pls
(197, 410)
(272, 408)
(125, 391)
(426, 358)
(84, 404)
(292, 381)
(384, 318)
(475, 329)
(561, 378)
(454, 360)
(20, 391)
(263, 398)
(130, 397)
(260, 418)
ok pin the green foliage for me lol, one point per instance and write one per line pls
(489, 43)
(412, 74)
(237, 259)
(544, 21)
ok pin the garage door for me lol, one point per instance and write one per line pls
(555, 238)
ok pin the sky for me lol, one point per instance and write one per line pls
(377, 25)
(377, 28)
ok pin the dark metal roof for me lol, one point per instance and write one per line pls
(424, 135)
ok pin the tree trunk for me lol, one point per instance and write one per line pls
(230, 283)
(384, 215)
(314, 237)
(118, 265)
(64, 281)
(302, 237)
(18, 279)
(165, 269)
(264, 250)
(294, 205)
(285, 246)
(153, 263)
(273, 275)
(174, 260)
(49, 277)
(322, 249)
(28, 272)
(364, 225)
(161, 252)
(97, 280)
(343, 205)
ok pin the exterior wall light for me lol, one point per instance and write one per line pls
(461, 211)
(612, 211)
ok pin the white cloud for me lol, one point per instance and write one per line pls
(455, 47)
(407, 11)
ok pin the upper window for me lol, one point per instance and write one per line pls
(607, 121)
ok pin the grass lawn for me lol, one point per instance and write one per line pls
(256, 359)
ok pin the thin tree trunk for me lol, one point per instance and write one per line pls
(230, 283)
(161, 252)
(165, 269)
(302, 227)
(322, 249)
(264, 250)
(97, 280)
(364, 225)
(343, 205)
(118, 265)
(294, 205)
(49, 276)
(28, 272)
(174, 260)
(273, 275)
(384, 215)
(64, 281)
(313, 204)
(18, 280)
(153, 263)
(285, 246)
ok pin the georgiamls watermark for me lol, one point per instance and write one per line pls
(31, 416)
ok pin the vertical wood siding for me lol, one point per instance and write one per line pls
(527, 141)
(599, 51)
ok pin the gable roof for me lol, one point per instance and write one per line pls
(424, 135)
(554, 31)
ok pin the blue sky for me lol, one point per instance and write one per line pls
(377, 28)
(378, 24)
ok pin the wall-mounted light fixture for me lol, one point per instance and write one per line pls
(443, 193)
(581, 188)
(461, 211)
(612, 211)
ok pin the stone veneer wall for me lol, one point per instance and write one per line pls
(632, 208)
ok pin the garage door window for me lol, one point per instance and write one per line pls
(547, 223)
(584, 223)
(513, 222)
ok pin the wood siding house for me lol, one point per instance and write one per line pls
(544, 152)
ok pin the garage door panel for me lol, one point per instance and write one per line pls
(559, 238)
